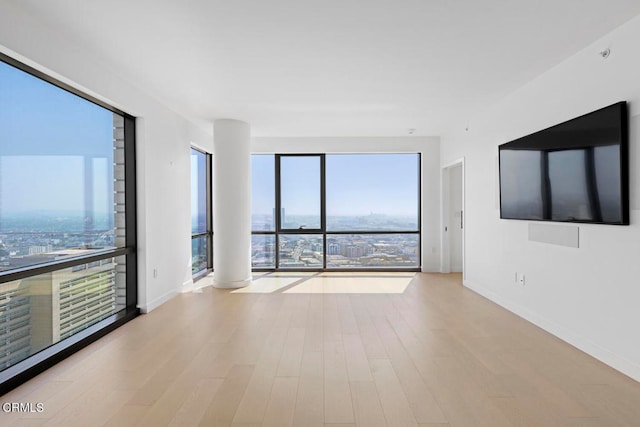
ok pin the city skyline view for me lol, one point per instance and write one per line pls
(358, 250)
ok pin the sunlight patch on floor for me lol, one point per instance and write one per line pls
(335, 282)
(267, 284)
(366, 274)
(360, 284)
(298, 274)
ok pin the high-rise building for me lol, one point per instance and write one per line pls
(41, 310)
(15, 323)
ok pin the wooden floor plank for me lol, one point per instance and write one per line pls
(338, 407)
(356, 358)
(280, 409)
(225, 403)
(366, 404)
(309, 411)
(195, 404)
(289, 365)
(396, 407)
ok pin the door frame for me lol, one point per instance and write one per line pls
(445, 189)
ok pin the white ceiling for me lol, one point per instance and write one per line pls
(332, 67)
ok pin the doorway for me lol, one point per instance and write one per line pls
(453, 218)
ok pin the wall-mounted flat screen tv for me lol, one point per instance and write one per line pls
(576, 171)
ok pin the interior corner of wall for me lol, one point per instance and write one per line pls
(158, 301)
(188, 286)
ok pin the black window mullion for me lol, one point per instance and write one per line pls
(209, 214)
(419, 166)
(277, 213)
(323, 209)
(131, 225)
(47, 267)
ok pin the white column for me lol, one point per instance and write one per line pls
(232, 204)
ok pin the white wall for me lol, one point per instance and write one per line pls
(429, 147)
(163, 140)
(589, 296)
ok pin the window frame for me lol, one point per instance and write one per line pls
(322, 196)
(208, 233)
(323, 220)
(33, 365)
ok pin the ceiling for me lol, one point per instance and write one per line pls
(332, 67)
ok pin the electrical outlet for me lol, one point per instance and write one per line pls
(155, 273)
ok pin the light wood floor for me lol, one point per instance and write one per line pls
(298, 350)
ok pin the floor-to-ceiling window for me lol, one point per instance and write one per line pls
(67, 220)
(336, 211)
(201, 220)
(263, 211)
(300, 213)
(373, 210)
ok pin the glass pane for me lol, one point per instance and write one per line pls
(198, 192)
(569, 189)
(301, 251)
(199, 254)
(520, 184)
(372, 250)
(39, 311)
(263, 192)
(263, 251)
(372, 191)
(300, 192)
(61, 173)
(607, 175)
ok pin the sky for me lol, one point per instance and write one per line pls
(48, 137)
(198, 191)
(357, 184)
(360, 184)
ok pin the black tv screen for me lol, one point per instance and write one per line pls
(576, 171)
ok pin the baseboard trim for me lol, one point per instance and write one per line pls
(146, 308)
(602, 354)
(431, 268)
(187, 286)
